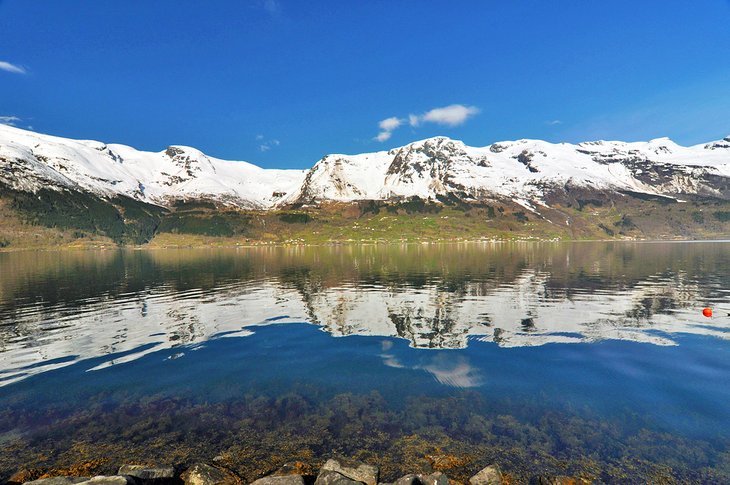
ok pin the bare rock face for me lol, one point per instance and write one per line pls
(354, 470)
(490, 475)
(280, 480)
(143, 472)
(437, 478)
(204, 474)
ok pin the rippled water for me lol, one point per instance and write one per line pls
(582, 358)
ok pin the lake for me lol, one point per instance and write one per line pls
(586, 358)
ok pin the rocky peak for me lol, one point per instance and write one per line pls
(432, 155)
(189, 159)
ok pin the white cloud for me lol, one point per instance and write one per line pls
(554, 122)
(259, 137)
(6, 66)
(387, 126)
(383, 136)
(452, 115)
(9, 120)
(390, 124)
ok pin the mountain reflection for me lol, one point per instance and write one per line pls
(56, 308)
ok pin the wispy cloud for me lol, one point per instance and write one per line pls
(452, 115)
(6, 66)
(387, 126)
(9, 120)
(267, 145)
(554, 122)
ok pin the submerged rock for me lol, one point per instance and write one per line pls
(147, 472)
(280, 480)
(354, 470)
(329, 477)
(204, 474)
(490, 475)
(295, 468)
(437, 478)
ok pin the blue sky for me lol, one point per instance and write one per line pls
(282, 82)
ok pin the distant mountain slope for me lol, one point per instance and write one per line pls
(526, 171)
(31, 161)
(527, 188)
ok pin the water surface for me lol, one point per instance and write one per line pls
(585, 358)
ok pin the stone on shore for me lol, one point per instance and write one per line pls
(204, 474)
(100, 480)
(329, 477)
(58, 481)
(354, 470)
(280, 480)
(436, 478)
(143, 472)
(490, 475)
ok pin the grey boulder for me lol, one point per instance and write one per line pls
(329, 477)
(143, 472)
(354, 470)
(58, 481)
(280, 480)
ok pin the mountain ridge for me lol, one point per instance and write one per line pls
(431, 189)
(523, 170)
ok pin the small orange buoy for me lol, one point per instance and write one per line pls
(707, 312)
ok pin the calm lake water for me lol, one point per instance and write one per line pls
(588, 359)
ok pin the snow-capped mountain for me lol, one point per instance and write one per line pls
(528, 172)
(524, 170)
(30, 161)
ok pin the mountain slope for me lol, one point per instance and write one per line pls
(527, 171)
(31, 161)
(430, 189)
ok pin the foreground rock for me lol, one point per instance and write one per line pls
(490, 475)
(112, 480)
(437, 478)
(59, 480)
(354, 470)
(143, 472)
(329, 477)
(204, 474)
(280, 480)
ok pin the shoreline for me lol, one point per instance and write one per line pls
(345, 243)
